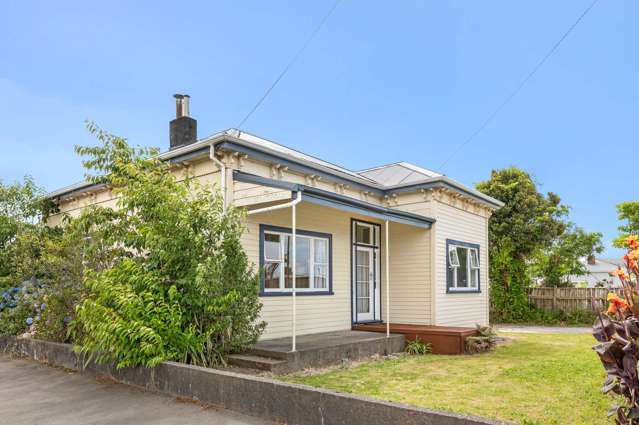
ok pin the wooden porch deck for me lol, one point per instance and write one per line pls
(444, 339)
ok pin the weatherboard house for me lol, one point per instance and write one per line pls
(391, 245)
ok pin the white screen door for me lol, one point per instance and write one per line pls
(365, 283)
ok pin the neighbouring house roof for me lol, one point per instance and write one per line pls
(604, 265)
(384, 180)
(598, 272)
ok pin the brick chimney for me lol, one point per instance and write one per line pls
(183, 129)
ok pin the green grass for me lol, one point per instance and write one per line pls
(537, 379)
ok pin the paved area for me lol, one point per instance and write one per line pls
(544, 329)
(31, 393)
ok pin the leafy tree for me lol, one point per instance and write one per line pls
(628, 212)
(530, 237)
(169, 278)
(564, 256)
(528, 221)
(22, 208)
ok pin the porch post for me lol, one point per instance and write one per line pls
(386, 224)
(294, 272)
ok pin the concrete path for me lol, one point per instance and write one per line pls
(31, 393)
(543, 329)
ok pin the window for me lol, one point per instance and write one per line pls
(365, 233)
(462, 274)
(312, 261)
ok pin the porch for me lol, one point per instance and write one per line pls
(328, 261)
(316, 350)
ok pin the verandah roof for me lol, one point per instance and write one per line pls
(341, 202)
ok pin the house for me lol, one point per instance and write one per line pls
(395, 244)
(598, 273)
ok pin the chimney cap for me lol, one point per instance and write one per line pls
(180, 96)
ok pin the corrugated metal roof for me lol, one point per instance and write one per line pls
(398, 173)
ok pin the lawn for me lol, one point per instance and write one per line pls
(536, 379)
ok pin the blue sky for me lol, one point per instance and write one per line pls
(382, 82)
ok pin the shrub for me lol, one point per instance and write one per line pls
(617, 331)
(22, 207)
(20, 308)
(53, 257)
(169, 279)
(485, 340)
(418, 347)
(31, 251)
(130, 317)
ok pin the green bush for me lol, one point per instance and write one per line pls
(30, 252)
(130, 317)
(169, 279)
(54, 257)
(20, 308)
(418, 347)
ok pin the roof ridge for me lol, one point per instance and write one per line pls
(299, 152)
(378, 167)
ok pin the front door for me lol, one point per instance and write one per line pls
(364, 284)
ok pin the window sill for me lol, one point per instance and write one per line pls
(289, 293)
(463, 291)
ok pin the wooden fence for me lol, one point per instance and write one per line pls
(569, 299)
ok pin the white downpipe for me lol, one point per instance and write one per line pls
(293, 205)
(222, 168)
(386, 224)
(294, 273)
(295, 201)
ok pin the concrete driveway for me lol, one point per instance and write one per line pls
(543, 329)
(31, 393)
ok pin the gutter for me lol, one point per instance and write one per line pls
(224, 140)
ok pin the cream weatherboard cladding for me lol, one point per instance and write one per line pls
(459, 220)
(417, 255)
(203, 172)
(410, 276)
(410, 287)
(460, 309)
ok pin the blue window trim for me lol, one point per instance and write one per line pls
(264, 293)
(448, 282)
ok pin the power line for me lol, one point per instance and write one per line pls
(291, 62)
(519, 87)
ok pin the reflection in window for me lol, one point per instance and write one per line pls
(312, 262)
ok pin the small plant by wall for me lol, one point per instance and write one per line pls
(418, 347)
(485, 340)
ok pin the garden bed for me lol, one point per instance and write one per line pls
(536, 379)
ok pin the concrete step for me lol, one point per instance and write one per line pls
(272, 354)
(256, 362)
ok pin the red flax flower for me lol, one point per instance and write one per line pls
(616, 303)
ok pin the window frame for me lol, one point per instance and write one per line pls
(283, 291)
(451, 287)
